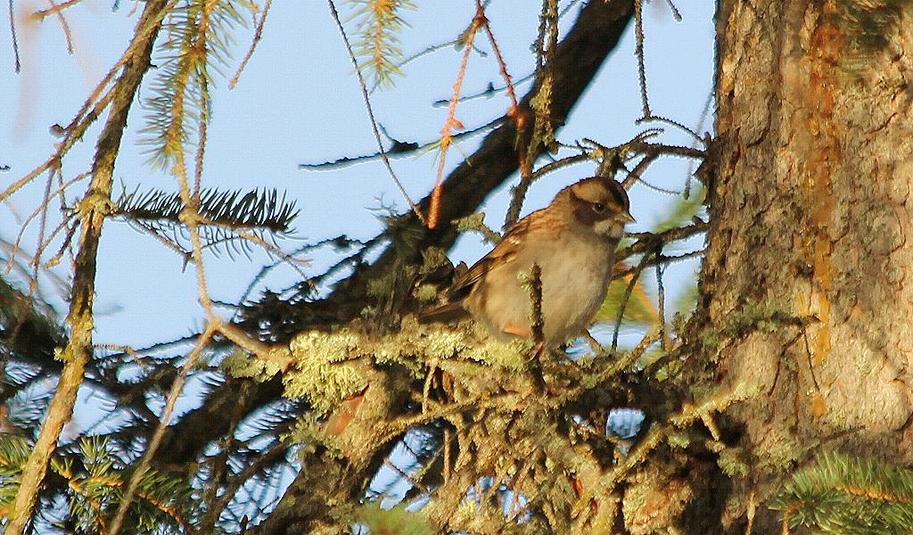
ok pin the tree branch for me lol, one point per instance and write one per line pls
(78, 351)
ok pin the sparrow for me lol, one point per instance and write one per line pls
(572, 240)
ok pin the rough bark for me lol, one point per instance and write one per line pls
(808, 255)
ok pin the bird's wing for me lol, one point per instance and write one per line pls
(504, 252)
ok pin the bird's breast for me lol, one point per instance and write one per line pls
(574, 285)
(575, 276)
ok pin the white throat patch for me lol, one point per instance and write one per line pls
(610, 228)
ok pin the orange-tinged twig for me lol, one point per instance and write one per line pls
(383, 10)
(434, 211)
(508, 81)
(479, 21)
(55, 8)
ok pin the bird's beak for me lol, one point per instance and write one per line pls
(627, 217)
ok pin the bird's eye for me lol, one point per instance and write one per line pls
(598, 207)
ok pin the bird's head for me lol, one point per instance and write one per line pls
(601, 204)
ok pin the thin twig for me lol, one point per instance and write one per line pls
(558, 164)
(55, 8)
(274, 453)
(36, 212)
(502, 65)
(487, 92)
(624, 301)
(64, 245)
(639, 52)
(78, 350)
(700, 126)
(451, 120)
(639, 170)
(42, 230)
(367, 100)
(258, 34)
(202, 131)
(661, 298)
(673, 122)
(646, 241)
(447, 460)
(618, 364)
(399, 152)
(64, 25)
(535, 291)
(190, 216)
(405, 475)
(543, 132)
(12, 16)
(176, 387)
(662, 260)
(676, 14)
(85, 117)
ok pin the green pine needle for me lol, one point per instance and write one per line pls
(377, 45)
(839, 494)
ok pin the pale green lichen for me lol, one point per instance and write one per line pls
(780, 451)
(752, 317)
(425, 293)
(308, 435)
(385, 287)
(321, 376)
(731, 461)
(476, 222)
(94, 202)
(382, 286)
(432, 259)
(511, 355)
(241, 365)
(679, 439)
(394, 520)
(329, 367)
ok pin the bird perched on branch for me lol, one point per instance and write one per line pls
(572, 241)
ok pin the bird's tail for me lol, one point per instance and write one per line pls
(444, 313)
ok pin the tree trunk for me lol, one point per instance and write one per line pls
(806, 301)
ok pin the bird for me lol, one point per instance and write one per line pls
(572, 241)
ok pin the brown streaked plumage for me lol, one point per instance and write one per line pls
(573, 242)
